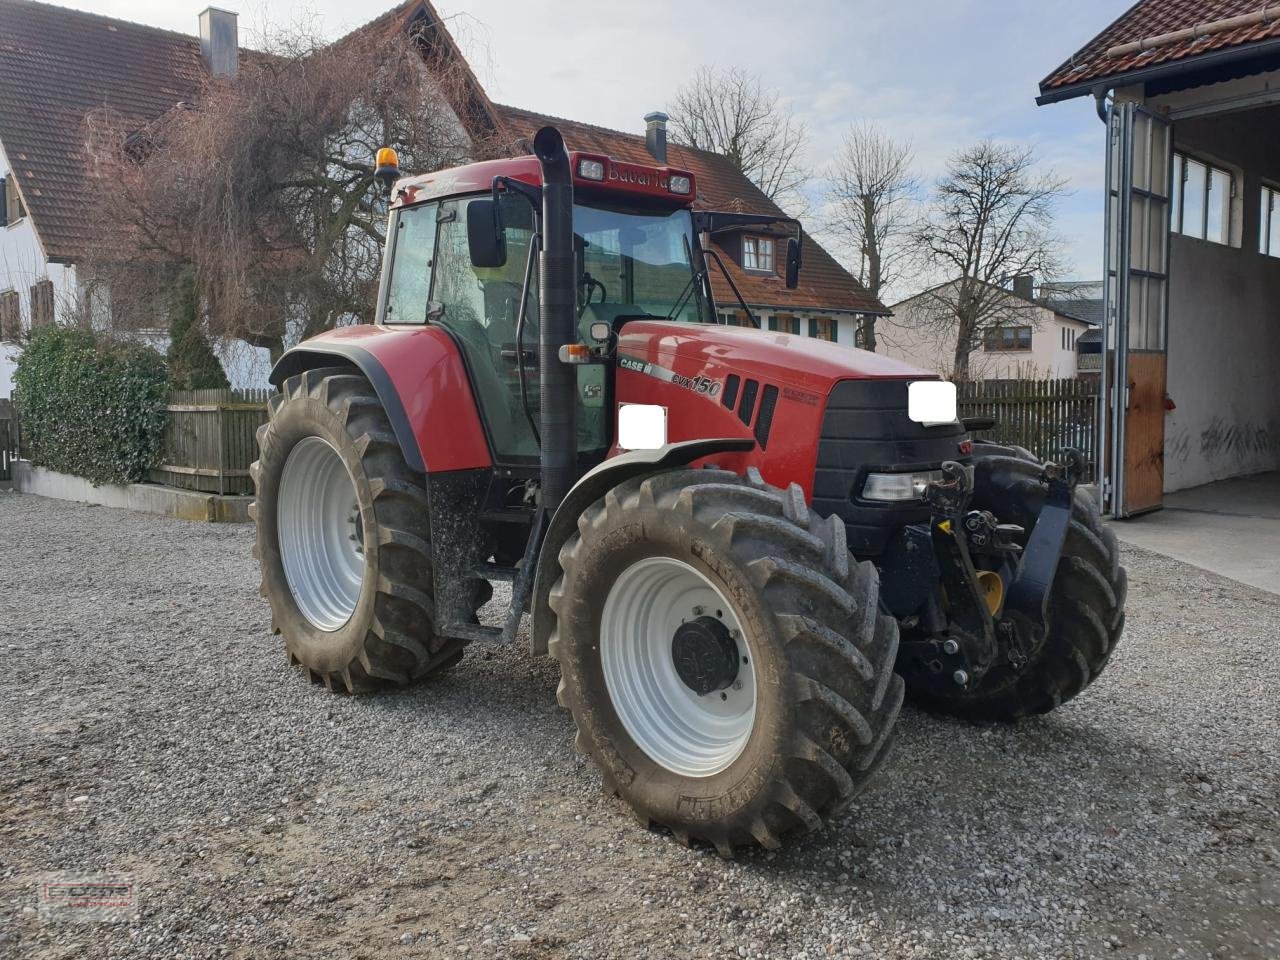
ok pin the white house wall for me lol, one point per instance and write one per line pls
(907, 336)
(22, 263)
(1224, 319)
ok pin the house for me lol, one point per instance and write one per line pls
(58, 65)
(1036, 337)
(71, 63)
(1190, 95)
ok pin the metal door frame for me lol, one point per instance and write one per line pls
(1119, 191)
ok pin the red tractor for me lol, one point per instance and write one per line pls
(742, 547)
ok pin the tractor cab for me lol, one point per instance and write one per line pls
(462, 254)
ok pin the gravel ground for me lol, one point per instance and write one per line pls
(151, 727)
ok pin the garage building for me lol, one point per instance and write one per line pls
(1189, 91)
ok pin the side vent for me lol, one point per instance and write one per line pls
(765, 421)
(731, 384)
(749, 390)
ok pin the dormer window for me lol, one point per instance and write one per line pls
(757, 254)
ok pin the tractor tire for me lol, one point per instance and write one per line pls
(813, 700)
(1085, 612)
(343, 537)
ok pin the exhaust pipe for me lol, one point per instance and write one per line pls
(557, 319)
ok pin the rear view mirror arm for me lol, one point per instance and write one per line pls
(732, 286)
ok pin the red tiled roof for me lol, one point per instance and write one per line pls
(1151, 18)
(57, 65)
(824, 284)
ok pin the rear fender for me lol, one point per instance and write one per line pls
(591, 487)
(419, 377)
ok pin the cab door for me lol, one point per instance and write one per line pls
(1135, 322)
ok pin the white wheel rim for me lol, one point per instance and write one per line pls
(319, 529)
(688, 734)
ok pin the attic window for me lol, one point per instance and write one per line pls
(13, 208)
(757, 254)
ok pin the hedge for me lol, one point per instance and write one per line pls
(91, 406)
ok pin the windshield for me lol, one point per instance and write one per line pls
(637, 263)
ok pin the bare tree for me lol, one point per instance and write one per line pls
(990, 221)
(264, 186)
(731, 112)
(871, 208)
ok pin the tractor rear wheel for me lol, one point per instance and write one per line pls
(723, 656)
(343, 537)
(1085, 612)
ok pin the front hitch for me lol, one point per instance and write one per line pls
(972, 627)
(985, 614)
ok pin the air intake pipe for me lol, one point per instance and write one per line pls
(557, 319)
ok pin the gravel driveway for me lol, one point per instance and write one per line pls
(149, 726)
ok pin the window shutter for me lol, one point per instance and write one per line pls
(10, 315)
(42, 303)
(773, 322)
(4, 207)
(813, 326)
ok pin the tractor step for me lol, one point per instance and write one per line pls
(493, 571)
(474, 631)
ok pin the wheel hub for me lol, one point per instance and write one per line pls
(705, 655)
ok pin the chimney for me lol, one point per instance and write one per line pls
(219, 42)
(1024, 286)
(655, 135)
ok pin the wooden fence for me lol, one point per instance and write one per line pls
(1045, 416)
(209, 440)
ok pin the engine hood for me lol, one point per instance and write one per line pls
(802, 362)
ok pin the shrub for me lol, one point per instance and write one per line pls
(91, 406)
(192, 363)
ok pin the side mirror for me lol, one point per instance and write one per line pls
(793, 263)
(486, 239)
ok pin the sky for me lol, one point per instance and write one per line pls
(940, 74)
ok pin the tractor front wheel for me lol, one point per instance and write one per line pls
(723, 656)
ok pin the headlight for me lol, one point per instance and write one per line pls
(898, 486)
(590, 169)
(679, 184)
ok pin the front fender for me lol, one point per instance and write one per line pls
(591, 487)
(420, 379)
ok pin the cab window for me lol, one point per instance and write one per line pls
(408, 280)
(481, 310)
